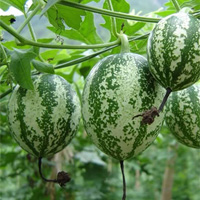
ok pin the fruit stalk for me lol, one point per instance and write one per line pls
(62, 177)
(149, 115)
(168, 92)
(124, 180)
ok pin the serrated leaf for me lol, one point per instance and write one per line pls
(7, 19)
(49, 4)
(86, 33)
(165, 13)
(118, 6)
(43, 67)
(58, 15)
(135, 28)
(19, 4)
(20, 67)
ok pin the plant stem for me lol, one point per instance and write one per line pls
(114, 24)
(176, 5)
(40, 171)
(31, 29)
(197, 14)
(5, 93)
(4, 53)
(168, 92)
(80, 60)
(32, 32)
(124, 180)
(108, 12)
(33, 13)
(124, 43)
(25, 41)
(62, 177)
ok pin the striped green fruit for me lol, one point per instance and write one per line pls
(117, 88)
(43, 121)
(174, 51)
(183, 115)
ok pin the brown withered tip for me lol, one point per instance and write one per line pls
(63, 178)
(148, 116)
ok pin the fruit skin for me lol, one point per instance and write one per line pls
(117, 88)
(183, 116)
(43, 121)
(173, 51)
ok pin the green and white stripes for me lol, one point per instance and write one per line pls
(174, 51)
(183, 115)
(119, 87)
(45, 120)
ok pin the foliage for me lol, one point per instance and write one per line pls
(75, 35)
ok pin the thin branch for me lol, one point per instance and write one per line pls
(114, 24)
(27, 20)
(168, 92)
(25, 41)
(3, 51)
(108, 12)
(62, 177)
(176, 5)
(5, 93)
(82, 59)
(124, 180)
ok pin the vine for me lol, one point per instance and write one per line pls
(108, 12)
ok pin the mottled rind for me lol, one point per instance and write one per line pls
(174, 51)
(183, 116)
(45, 120)
(119, 87)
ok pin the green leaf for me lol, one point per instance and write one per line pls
(87, 1)
(12, 44)
(49, 4)
(19, 4)
(4, 6)
(20, 67)
(86, 33)
(7, 19)
(135, 27)
(118, 6)
(43, 67)
(165, 13)
(60, 15)
(86, 66)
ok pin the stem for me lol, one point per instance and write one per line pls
(108, 12)
(176, 5)
(124, 43)
(114, 24)
(62, 177)
(25, 41)
(124, 180)
(197, 15)
(168, 92)
(3, 51)
(32, 31)
(80, 60)
(33, 13)
(5, 93)
(40, 171)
